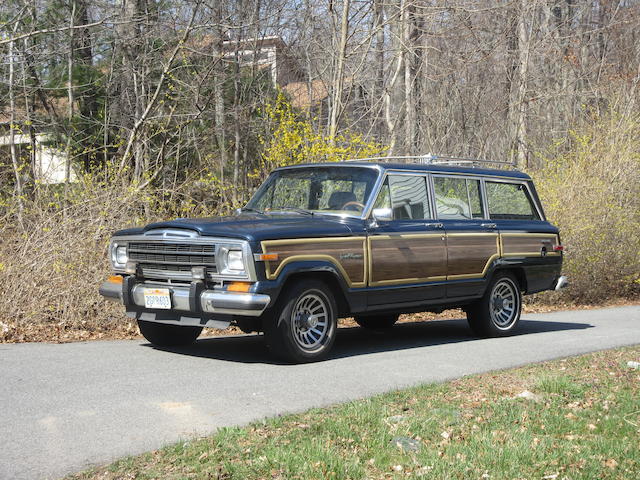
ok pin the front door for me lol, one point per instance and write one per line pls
(473, 242)
(407, 252)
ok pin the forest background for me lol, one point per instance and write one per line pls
(149, 109)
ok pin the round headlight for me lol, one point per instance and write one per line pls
(235, 260)
(121, 254)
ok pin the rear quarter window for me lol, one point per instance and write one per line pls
(510, 201)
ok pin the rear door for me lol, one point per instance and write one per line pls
(472, 240)
(407, 254)
(527, 239)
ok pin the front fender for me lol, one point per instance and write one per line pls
(274, 287)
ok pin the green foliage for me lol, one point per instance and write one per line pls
(559, 384)
(591, 191)
(60, 244)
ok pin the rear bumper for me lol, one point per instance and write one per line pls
(194, 300)
(561, 282)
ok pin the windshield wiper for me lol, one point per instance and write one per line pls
(254, 210)
(302, 211)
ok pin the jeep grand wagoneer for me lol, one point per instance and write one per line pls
(365, 239)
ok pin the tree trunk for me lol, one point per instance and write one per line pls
(67, 169)
(392, 93)
(236, 125)
(15, 161)
(219, 109)
(378, 86)
(521, 102)
(127, 95)
(338, 79)
(409, 77)
(83, 57)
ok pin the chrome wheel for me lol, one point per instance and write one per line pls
(304, 323)
(504, 304)
(310, 321)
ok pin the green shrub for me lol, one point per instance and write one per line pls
(54, 259)
(591, 191)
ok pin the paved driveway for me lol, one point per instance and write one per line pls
(67, 407)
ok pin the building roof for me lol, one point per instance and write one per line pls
(305, 95)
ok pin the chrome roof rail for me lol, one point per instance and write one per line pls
(430, 159)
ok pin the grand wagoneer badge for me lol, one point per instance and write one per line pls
(351, 256)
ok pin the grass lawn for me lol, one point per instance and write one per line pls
(581, 420)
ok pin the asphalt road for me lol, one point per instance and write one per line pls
(67, 407)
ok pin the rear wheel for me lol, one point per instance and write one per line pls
(166, 335)
(497, 313)
(304, 326)
(376, 322)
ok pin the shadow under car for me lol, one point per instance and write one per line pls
(352, 341)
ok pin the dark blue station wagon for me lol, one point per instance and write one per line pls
(364, 239)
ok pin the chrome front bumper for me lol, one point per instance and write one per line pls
(208, 301)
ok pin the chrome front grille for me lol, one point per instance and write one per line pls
(173, 247)
(171, 259)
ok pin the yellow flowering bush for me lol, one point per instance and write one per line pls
(591, 191)
(293, 140)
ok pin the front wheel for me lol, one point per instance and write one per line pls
(304, 326)
(497, 313)
(167, 335)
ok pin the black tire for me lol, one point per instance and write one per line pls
(166, 335)
(376, 322)
(497, 313)
(303, 327)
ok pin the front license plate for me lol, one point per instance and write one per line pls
(157, 298)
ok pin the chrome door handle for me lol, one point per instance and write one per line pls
(489, 225)
(434, 225)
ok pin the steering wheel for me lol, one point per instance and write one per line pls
(352, 203)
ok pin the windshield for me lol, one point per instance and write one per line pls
(332, 190)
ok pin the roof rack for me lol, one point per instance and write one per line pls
(430, 159)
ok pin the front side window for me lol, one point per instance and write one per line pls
(406, 196)
(510, 201)
(458, 198)
(332, 190)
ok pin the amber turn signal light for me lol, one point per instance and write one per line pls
(115, 279)
(238, 287)
(267, 256)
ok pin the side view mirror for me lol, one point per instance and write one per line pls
(382, 214)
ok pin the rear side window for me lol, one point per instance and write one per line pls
(510, 201)
(458, 198)
(406, 196)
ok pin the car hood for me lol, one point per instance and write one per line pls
(256, 228)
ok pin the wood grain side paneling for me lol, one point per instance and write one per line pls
(470, 254)
(348, 254)
(401, 259)
(528, 244)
